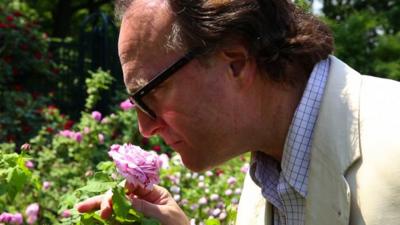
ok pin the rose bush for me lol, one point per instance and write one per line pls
(27, 75)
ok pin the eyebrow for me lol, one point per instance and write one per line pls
(135, 84)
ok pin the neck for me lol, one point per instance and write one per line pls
(278, 104)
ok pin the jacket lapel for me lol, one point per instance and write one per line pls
(335, 148)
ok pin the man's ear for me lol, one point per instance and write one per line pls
(242, 67)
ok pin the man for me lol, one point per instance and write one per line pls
(248, 75)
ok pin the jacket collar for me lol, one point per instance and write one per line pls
(335, 147)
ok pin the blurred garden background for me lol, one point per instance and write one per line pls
(63, 104)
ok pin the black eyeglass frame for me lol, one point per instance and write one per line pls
(136, 98)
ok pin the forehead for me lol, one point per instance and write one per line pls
(143, 32)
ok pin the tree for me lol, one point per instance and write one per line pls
(61, 18)
(367, 34)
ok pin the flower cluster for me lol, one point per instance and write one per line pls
(212, 194)
(139, 167)
(77, 136)
(11, 218)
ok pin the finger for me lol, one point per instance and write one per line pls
(148, 209)
(89, 204)
(155, 195)
(106, 205)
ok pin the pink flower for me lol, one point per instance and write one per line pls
(77, 136)
(11, 218)
(32, 212)
(126, 105)
(86, 130)
(228, 192)
(164, 161)
(29, 164)
(26, 147)
(231, 181)
(66, 133)
(101, 138)
(202, 201)
(66, 213)
(214, 197)
(47, 185)
(139, 167)
(96, 115)
(245, 168)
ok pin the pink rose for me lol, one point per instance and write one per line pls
(47, 185)
(26, 147)
(139, 167)
(32, 212)
(77, 136)
(126, 105)
(66, 213)
(231, 181)
(66, 133)
(29, 164)
(11, 218)
(96, 115)
(245, 168)
(101, 138)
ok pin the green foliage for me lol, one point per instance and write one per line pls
(367, 35)
(14, 176)
(99, 81)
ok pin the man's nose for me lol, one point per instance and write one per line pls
(148, 126)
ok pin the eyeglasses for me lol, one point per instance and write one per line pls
(137, 97)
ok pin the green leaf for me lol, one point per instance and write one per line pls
(105, 166)
(92, 219)
(121, 205)
(212, 222)
(94, 186)
(16, 179)
(146, 221)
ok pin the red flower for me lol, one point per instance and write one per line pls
(68, 125)
(20, 103)
(38, 55)
(15, 71)
(17, 14)
(8, 59)
(10, 18)
(2, 25)
(23, 47)
(49, 129)
(145, 141)
(35, 95)
(18, 87)
(51, 107)
(56, 71)
(157, 148)
(219, 171)
(26, 129)
(10, 138)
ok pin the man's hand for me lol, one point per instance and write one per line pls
(156, 203)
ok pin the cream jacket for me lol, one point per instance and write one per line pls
(355, 156)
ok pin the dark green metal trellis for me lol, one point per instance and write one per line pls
(95, 48)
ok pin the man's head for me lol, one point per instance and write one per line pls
(209, 108)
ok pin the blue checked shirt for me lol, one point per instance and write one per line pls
(286, 189)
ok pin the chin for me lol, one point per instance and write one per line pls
(195, 165)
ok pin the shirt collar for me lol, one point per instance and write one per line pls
(296, 154)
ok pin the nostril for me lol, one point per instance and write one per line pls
(147, 126)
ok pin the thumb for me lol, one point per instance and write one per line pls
(147, 208)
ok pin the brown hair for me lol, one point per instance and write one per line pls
(276, 33)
